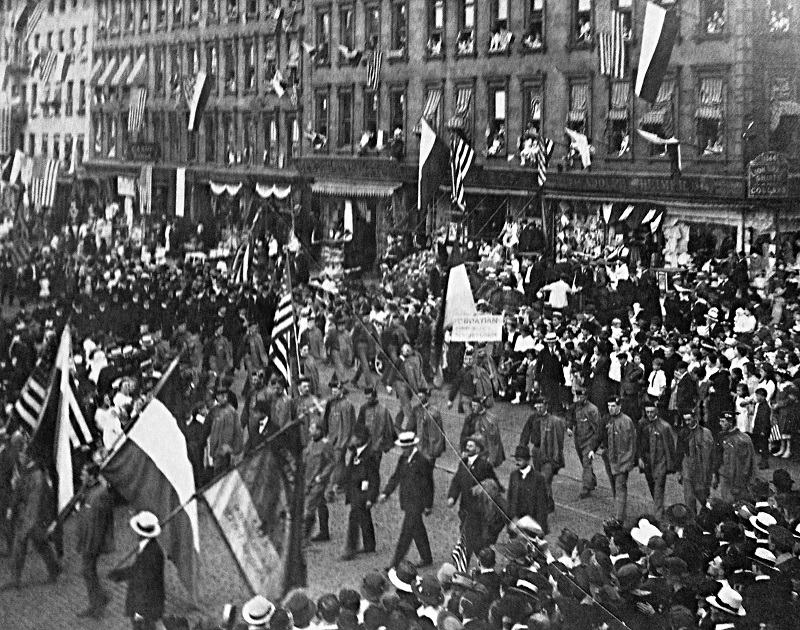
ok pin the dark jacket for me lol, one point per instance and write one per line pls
(358, 470)
(686, 394)
(414, 479)
(145, 579)
(96, 522)
(528, 497)
(466, 478)
(762, 420)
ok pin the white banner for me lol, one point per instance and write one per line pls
(126, 186)
(478, 328)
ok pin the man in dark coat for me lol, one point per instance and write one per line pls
(361, 482)
(95, 537)
(550, 372)
(527, 490)
(683, 395)
(416, 496)
(144, 602)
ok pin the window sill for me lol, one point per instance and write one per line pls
(506, 52)
(579, 46)
(397, 55)
(437, 57)
(702, 36)
(528, 50)
(473, 54)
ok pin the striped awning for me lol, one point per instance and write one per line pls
(711, 94)
(121, 73)
(618, 113)
(665, 92)
(138, 72)
(107, 73)
(461, 115)
(655, 117)
(620, 95)
(578, 97)
(431, 105)
(576, 115)
(96, 69)
(337, 188)
(536, 108)
(709, 112)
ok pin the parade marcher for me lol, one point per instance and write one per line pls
(308, 408)
(252, 352)
(584, 425)
(413, 476)
(339, 422)
(364, 338)
(544, 432)
(225, 438)
(734, 468)
(428, 426)
(374, 415)
(336, 344)
(144, 602)
(549, 372)
(9, 455)
(309, 369)
(318, 458)
(220, 351)
(481, 423)
(411, 378)
(762, 426)
(361, 480)
(617, 445)
(695, 455)
(95, 536)
(656, 453)
(527, 490)
(197, 430)
(255, 410)
(683, 394)
(630, 385)
(471, 383)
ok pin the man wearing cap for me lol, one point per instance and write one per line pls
(255, 409)
(695, 455)
(308, 408)
(319, 461)
(734, 461)
(545, 434)
(413, 475)
(479, 422)
(411, 378)
(584, 425)
(361, 480)
(225, 440)
(472, 382)
(657, 457)
(144, 602)
(338, 423)
(309, 369)
(337, 343)
(683, 394)
(220, 351)
(527, 490)
(617, 444)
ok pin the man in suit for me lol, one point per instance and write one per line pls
(550, 372)
(144, 602)
(630, 385)
(762, 425)
(361, 482)
(465, 487)
(683, 396)
(545, 433)
(416, 498)
(527, 490)
(95, 536)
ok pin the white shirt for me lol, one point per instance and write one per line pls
(524, 472)
(656, 383)
(559, 290)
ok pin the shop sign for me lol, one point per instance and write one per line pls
(143, 152)
(768, 177)
(478, 328)
(126, 186)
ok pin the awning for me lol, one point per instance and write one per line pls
(656, 117)
(96, 68)
(783, 108)
(618, 113)
(121, 72)
(460, 117)
(352, 189)
(103, 80)
(137, 73)
(431, 105)
(232, 189)
(576, 115)
(265, 191)
(711, 95)
(709, 112)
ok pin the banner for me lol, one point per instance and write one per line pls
(126, 186)
(478, 328)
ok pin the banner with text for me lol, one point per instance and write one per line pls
(478, 328)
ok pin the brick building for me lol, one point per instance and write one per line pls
(501, 67)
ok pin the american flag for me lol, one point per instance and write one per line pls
(544, 149)
(31, 399)
(612, 48)
(283, 331)
(374, 69)
(43, 182)
(5, 130)
(459, 555)
(146, 189)
(33, 20)
(136, 105)
(46, 69)
(461, 157)
(242, 268)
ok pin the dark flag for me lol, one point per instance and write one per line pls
(658, 37)
(433, 162)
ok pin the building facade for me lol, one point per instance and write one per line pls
(498, 69)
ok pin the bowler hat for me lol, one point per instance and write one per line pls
(522, 452)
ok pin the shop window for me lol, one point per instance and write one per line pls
(80, 145)
(369, 137)
(618, 121)
(578, 115)
(462, 119)
(230, 66)
(345, 128)
(710, 116)
(501, 36)
(465, 45)
(161, 14)
(250, 64)
(319, 141)
(435, 28)
(372, 26)
(625, 9)
(713, 17)
(68, 103)
(323, 36)
(660, 120)
(159, 67)
(399, 29)
(269, 129)
(496, 133)
(582, 22)
(780, 14)
(347, 27)
(292, 136)
(210, 133)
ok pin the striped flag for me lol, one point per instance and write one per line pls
(6, 140)
(544, 149)
(43, 182)
(197, 94)
(374, 69)
(659, 33)
(47, 66)
(461, 157)
(146, 189)
(29, 17)
(136, 105)
(242, 268)
(612, 48)
(283, 331)
(31, 399)
(459, 555)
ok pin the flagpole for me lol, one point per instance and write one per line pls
(294, 321)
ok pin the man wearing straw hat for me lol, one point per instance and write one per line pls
(416, 496)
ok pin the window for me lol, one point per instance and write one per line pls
(61, 41)
(347, 27)
(210, 132)
(432, 110)
(323, 36)
(780, 15)
(372, 25)
(62, 5)
(292, 136)
(130, 20)
(252, 10)
(144, 22)
(68, 98)
(73, 39)
(369, 138)
(159, 66)
(114, 26)
(660, 120)
(229, 141)
(82, 98)
(578, 115)
(45, 142)
(177, 12)
(399, 29)
(191, 141)
(710, 116)
(502, 36)
(102, 18)
(249, 139)
(619, 116)
(784, 128)
(111, 125)
(320, 139)
(250, 53)
(496, 133)
(625, 8)
(397, 110)
(212, 62)
(176, 132)
(80, 145)
(212, 10)
(192, 60)
(466, 28)
(31, 144)
(194, 18)
(68, 153)
(161, 14)
(435, 28)
(462, 119)
(712, 14)
(582, 22)
(230, 66)
(269, 129)
(345, 129)
(50, 40)
(34, 99)
(55, 100)
(232, 10)
(51, 6)
(56, 147)
(532, 97)
(270, 60)
(97, 128)
(174, 71)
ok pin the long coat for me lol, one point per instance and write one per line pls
(619, 439)
(528, 497)
(414, 478)
(96, 523)
(145, 579)
(696, 453)
(361, 477)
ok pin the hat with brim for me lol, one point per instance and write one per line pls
(514, 550)
(550, 337)
(679, 515)
(406, 439)
(146, 525)
(727, 600)
(258, 611)
(764, 557)
(402, 577)
(428, 590)
(762, 521)
(644, 532)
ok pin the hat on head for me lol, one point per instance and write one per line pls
(428, 590)
(781, 537)
(445, 574)
(300, 606)
(462, 580)
(522, 452)
(448, 621)
(629, 576)
(727, 600)
(764, 557)
(762, 521)
(529, 526)
(644, 531)
(782, 479)
(403, 576)
(406, 438)
(550, 337)
(258, 611)
(375, 617)
(373, 585)
(679, 515)
(146, 525)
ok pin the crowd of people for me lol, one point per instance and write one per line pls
(698, 382)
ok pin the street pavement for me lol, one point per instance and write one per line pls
(39, 605)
